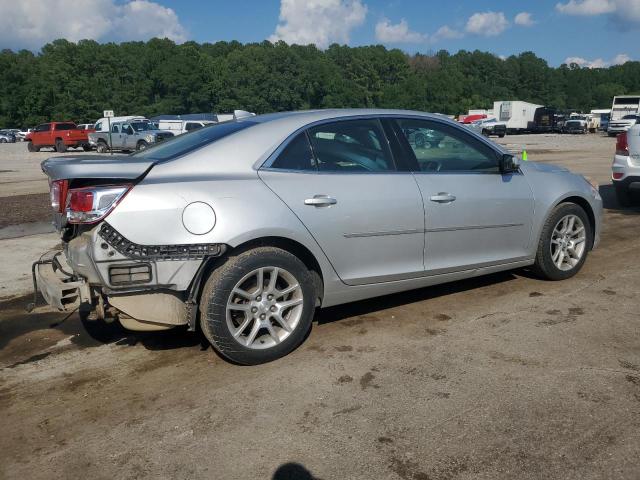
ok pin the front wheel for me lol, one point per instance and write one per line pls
(258, 305)
(564, 243)
(32, 148)
(3, 140)
(142, 145)
(102, 147)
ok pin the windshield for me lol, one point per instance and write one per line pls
(188, 142)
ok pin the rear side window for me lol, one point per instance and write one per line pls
(183, 144)
(351, 146)
(65, 126)
(115, 129)
(297, 155)
(192, 126)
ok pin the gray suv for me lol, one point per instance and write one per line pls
(136, 135)
(244, 228)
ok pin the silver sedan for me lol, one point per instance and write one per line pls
(242, 229)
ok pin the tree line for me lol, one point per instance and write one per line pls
(77, 81)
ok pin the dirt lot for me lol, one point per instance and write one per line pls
(504, 376)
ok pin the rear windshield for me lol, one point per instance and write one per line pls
(188, 142)
(630, 117)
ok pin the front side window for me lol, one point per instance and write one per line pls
(43, 128)
(351, 146)
(296, 155)
(127, 129)
(442, 148)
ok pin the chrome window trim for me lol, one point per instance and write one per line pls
(266, 164)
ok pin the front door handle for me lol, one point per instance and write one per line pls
(320, 201)
(442, 197)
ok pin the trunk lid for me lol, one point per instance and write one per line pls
(96, 167)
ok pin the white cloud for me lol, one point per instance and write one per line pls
(320, 22)
(619, 59)
(524, 19)
(488, 24)
(32, 23)
(587, 7)
(447, 33)
(387, 32)
(625, 13)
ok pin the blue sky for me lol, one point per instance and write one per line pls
(591, 32)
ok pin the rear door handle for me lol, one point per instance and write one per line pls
(320, 201)
(442, 197)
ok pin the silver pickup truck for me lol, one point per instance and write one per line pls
(136, 135)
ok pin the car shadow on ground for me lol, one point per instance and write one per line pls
(364, 307)
(609, 201)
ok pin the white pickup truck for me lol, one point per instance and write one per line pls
(625, 171)
(128, 135)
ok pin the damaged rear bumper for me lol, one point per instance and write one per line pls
(60, 288)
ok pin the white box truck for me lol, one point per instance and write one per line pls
(519, 116)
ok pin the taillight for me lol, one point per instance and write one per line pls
(92, 204)
(58, 194)
(622, 147)
(617, 175)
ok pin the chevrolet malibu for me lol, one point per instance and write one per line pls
(244, 228)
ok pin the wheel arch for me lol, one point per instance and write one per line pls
(295, 248)
(586, 206)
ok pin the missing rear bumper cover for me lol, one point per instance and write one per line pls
(159, 252)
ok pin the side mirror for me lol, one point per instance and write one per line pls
(508, 163)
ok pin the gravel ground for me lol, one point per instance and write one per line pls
(504, 376)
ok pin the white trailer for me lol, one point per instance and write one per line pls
(624, 105)
(519, 116)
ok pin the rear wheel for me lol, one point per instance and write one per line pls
(258, 305)
(87, 148)
(564, 243)
(60, 147)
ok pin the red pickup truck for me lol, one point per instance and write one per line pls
(58, 135)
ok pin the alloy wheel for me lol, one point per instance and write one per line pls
(568, 242)
(264, 307)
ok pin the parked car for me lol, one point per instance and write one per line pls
(575, 125)
(489, 126)
(623, 124)
(7, 137)
(131, 135)
(625, 171)
(245, 227)
(178, 127)
(57, 135)
(467, 119)
(22, 134)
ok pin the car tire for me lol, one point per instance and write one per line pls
(102, 147)
(259, 337)
(623, 195)
(501, 135)
(32, 148)
(142, 145)
(485, 133)
(60, 146)
(551, 265)
(3, 140)
(87, 148)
